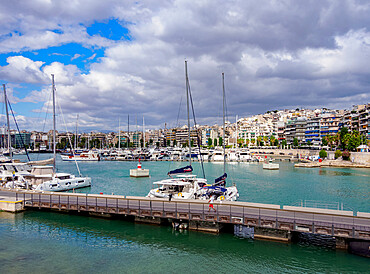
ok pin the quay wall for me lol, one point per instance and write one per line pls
(356, 157)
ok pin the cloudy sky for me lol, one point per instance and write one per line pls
(112, 58)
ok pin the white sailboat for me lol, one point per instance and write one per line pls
(183, 186)
(218, 189)
(58, 181)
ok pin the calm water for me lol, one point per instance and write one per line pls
(50, 242)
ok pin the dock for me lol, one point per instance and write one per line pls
(249, 220)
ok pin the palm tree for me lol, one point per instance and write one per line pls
(259, 139)
(253, 141)
(265, 139)
(247, 142)
(272, 140)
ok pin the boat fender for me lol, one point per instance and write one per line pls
(222, 198)
(180, 194)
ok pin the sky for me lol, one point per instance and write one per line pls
(117, 58)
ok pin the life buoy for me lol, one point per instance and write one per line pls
(180, 194)
(222, 198)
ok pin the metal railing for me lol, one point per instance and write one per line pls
(225, 212)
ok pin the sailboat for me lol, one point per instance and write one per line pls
(183, 186)
(218, 189)
(53, 181)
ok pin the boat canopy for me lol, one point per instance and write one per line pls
(172, 182)
(181, 170)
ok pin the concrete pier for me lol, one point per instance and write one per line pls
(341, 229)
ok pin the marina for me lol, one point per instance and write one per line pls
(327, 188)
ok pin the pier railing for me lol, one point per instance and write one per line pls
(311, 220)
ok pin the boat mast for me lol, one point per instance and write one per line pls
(187, 103)
(119, 133)
(223, 110)
(143, 132)
(236, 124)
(76, 133)
(7, 120)
(128, 131)
(54, 145)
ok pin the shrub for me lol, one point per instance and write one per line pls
(323, 154)
(346, 155)
(337, 154)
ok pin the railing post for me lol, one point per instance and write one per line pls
(276, 223)
(106, 204)
(243, 216)
(151, 208)
(77, 204)
(259, 217)
(39, 201)
(230, 214)
(32, 199)
(96, 204)
(59, 201)
(50, 199)
(68, 201)
(139, 209)
(117, 205)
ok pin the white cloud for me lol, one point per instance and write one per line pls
(273, 54)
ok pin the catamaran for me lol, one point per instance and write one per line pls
(182, 187)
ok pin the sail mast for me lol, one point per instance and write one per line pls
(128, 131)
(7, 120)
(119, 133)
(187, 103)
(54, 145)
(223, 110)
(143, 132)
(76, 133)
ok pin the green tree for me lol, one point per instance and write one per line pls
(253, 141)
(151, 141)
(220, 143)
(168, 142)
(192, 142)
(259, 139)
(265, 140)
(337, 154)
(215, 142)
(354, 141)
(272, 140)
(174, 142)
(295, 142)
(247, 142)
(342, 137)
(323, 154)
(209, 142)
(283, 143)
(325, 141)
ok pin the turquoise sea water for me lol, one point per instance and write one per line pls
(51, 242)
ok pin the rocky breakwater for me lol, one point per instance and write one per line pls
(332, 163)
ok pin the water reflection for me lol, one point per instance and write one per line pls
(115, 245)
